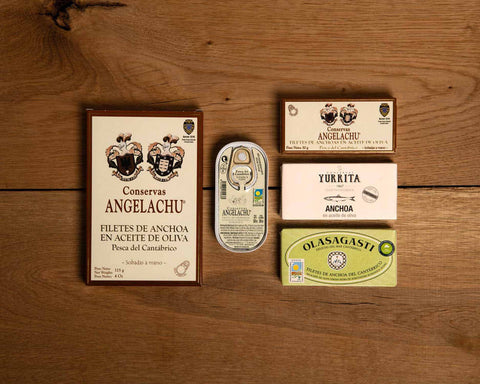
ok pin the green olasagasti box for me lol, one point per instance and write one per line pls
(344, 257)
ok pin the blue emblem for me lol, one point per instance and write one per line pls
(384, 109)
(188, 126)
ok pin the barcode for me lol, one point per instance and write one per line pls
(223, 190)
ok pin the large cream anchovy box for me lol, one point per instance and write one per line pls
(338, 125)
(339, 191)
(144, 196)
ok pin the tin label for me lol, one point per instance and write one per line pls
(333, 125)
(296, 270)
(144, 198)
(241, 201)
(339, 257)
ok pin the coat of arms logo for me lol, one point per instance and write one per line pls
(165, 158)
(125, 157)
(188, 126)
(384, 109)
(348, 114)
(329, 114)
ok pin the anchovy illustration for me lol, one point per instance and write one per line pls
(339, 198)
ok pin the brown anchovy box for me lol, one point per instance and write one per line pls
(349, 126)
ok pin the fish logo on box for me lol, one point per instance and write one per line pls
(165, 157)
(125, 157)
(296, 270)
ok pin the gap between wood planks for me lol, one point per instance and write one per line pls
(212, 188)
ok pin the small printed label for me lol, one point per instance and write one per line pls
(386, 248)
(337, 260)
(258, 197)
(242, 174)
(296, 269)
(370, 194)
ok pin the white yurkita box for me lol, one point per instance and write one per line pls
(339, 191)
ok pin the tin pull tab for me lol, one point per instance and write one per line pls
(242, 173)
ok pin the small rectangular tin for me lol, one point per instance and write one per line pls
(338, 257)
(241, 196)
(338, 126)
(339, 191)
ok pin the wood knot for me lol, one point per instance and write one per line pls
(58, 10)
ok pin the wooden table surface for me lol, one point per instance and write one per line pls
(235, 60)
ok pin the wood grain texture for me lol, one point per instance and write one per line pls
(242, 326)
(235, 62)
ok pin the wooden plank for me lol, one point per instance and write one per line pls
(242, 326)
(235, 63)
